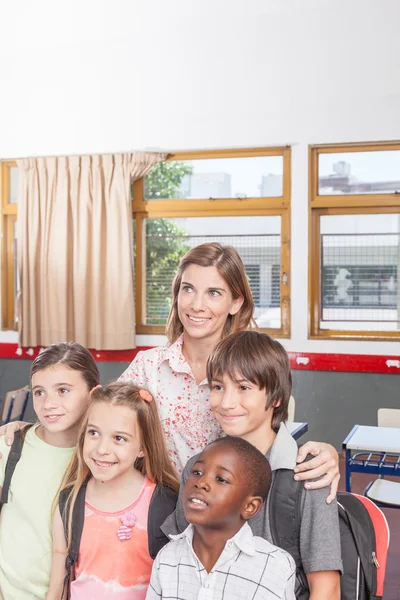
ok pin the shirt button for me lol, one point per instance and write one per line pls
(229, 544)
(206, 585)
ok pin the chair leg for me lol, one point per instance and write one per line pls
(367, 488)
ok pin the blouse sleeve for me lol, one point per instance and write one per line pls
(135, 373)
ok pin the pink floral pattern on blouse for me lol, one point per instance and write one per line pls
(183, 405)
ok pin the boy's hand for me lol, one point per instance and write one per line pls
(324, 467)
(9, 430)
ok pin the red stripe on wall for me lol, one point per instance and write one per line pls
(301, 361)
(12, 351)
(346, 363)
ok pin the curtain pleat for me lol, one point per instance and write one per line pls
(75, 249)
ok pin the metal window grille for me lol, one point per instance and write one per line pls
(359, 277)
(260, 254)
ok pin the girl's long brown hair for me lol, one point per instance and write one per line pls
(155, 463)
(230, 266)
(72, 355)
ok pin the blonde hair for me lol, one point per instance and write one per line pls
(227, 261)
(155, 463)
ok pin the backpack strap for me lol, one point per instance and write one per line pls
(78, 518)
(162, 504)
(285, 513)
(12, 461)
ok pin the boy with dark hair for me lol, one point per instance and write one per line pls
(217, 556)
(250, 381)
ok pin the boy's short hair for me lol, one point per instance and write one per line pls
(256, 468)
(258, 358)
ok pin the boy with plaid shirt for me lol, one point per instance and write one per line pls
(217, 557)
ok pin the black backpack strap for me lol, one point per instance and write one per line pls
(162, 504)
(12, 461)
(78, 518)
(285, 512)
(285, 509)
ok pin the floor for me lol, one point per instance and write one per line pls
(392, 582)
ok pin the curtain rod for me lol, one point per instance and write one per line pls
(148, 151)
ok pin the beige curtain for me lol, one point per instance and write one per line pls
(75, 249)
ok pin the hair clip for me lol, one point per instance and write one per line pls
(145, 395)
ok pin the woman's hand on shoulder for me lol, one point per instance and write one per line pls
(9, 430)
(324, 467)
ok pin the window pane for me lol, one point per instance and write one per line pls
(252, 177)
(359, 172)
(360, 256)
(14, 185)
(257, 240)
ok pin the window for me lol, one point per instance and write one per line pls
(240, 198)
(355, 241)
(9, 283)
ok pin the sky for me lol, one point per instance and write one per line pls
(366, 166)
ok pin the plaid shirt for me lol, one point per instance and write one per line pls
(248, 568)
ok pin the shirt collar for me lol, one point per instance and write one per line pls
(174, 356)
(284, 450)
(243, 540)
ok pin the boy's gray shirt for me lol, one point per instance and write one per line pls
(319, 531)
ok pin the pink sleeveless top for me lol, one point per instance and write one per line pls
(114, 560)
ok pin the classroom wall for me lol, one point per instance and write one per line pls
(99, 76)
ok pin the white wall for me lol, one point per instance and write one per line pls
(98, 76)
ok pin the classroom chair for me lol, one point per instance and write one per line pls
(381, 491)
(14, 405)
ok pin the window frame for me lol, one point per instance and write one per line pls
(343, 204)
(9, 216)
(170, 208)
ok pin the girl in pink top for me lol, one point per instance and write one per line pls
(119, 460)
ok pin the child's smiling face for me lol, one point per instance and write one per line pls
(215, 494)
(112, 441)
(240, 406)
(60, 398)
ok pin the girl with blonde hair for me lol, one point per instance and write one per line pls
(119, 469)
